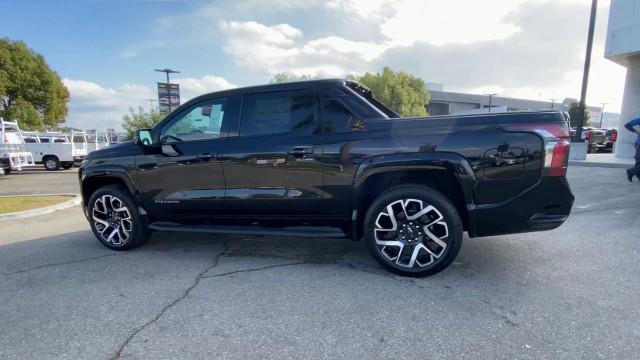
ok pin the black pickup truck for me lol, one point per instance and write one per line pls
(325, 159)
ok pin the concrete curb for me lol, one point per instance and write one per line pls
(599, 164)
(74, 201)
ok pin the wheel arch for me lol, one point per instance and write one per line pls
(96, 179)
(446, 172)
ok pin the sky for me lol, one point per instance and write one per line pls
(106, 50)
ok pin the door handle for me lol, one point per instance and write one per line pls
(205, 156)
(301, 151)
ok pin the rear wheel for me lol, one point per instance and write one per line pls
(51, 163)
(115, 220)
(413, 230)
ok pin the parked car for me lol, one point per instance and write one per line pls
(13, 153)
(605, 143)
(593, 137)
(325, 159)
(56, 150)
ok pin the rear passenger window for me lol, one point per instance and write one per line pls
(277, 112)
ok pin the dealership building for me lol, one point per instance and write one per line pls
(623, 47)
(449, 103)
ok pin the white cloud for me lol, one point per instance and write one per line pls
(275, 49)
(92, 106)
(191, 87)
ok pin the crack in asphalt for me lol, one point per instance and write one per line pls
(44, 266)
(255, 269)
(60, 264)
(184, 294)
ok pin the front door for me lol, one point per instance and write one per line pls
(272, 167)
(182, 176)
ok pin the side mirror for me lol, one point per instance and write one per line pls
(143, 137)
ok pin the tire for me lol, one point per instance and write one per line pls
(117, 230)
(51, 163)
(7, 171)
(67, 165)
(428, 230)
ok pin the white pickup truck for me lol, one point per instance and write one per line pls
(56, 150)
(13, 153)
(96, 141)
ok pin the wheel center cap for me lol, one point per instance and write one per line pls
(410, 233)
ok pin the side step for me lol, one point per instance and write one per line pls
(297, 231)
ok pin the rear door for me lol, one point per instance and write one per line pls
(182, 176)
(272, 166)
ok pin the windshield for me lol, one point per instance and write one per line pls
(366, 93)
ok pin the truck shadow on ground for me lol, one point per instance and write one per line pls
(485, 259)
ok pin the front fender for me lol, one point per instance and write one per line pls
(103, 173)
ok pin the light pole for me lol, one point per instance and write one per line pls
(491, 97)
(151, 104)
(602, 114)
(585, 75)
(167, 71)
(553, 102)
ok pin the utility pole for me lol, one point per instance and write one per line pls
(151, 104)
(585, 75)
(602, 114)
(167, 71)
(553, 102)
(490, 97)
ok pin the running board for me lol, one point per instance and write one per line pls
(297, 231)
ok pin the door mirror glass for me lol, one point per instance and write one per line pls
(143, 136)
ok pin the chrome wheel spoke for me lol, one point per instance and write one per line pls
(112, 219)
(410, 233)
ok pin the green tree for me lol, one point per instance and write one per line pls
(284, 77)
(30, 91)
(574, 111)
(139, 119)
(403, 93)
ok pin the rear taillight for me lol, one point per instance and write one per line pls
(556, 139)
(614, 136)
(587, 135)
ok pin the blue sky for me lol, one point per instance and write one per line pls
(106, 50)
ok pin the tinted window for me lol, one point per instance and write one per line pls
(336, 117)
(276, 112)
(200, 122)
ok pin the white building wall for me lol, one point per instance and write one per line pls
(623, 47)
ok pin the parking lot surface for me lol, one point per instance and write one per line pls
(40, 181)
(569, 293)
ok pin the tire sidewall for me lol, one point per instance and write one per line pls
(429, 196)
(139, 233)
(57, 163)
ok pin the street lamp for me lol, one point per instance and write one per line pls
(490, 97)
(585, 74)
(602, 114)
(167, 71)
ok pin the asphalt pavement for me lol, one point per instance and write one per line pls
(40, 181)
(570, 293)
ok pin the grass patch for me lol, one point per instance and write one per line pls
(11, 204)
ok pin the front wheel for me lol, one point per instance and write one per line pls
(115, 220)
(413, 230)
